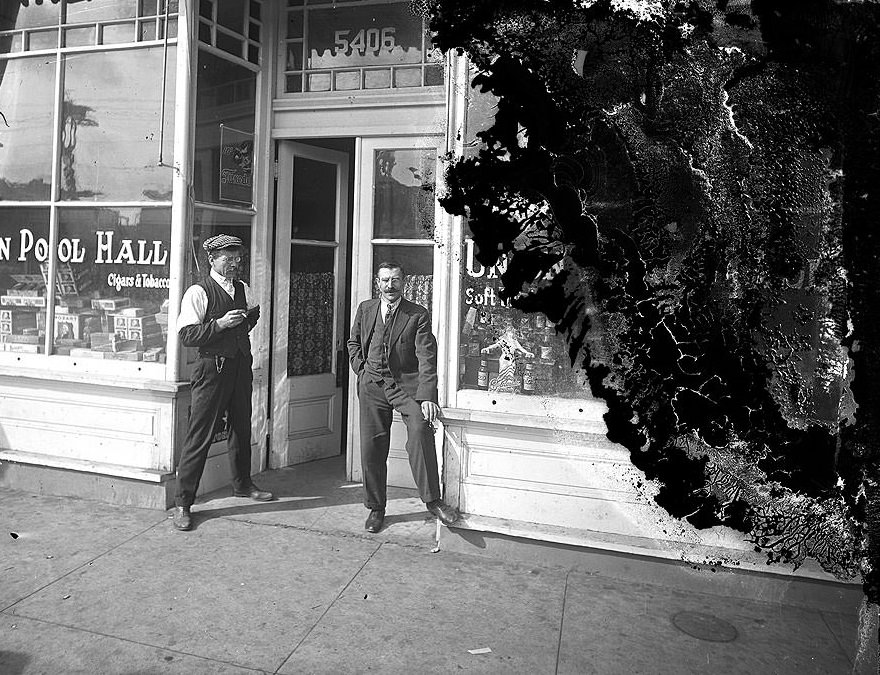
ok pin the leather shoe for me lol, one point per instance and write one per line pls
(254, 493)
(375, 520)
(445, 513)
(182, 518)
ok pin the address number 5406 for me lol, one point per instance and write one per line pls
(366, 39)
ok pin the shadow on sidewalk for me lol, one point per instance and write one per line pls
(316, 496)
(203, 512)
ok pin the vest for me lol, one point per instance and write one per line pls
(377, 355)
(232, 340)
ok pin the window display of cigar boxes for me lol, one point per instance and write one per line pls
(75, 324)
(130, 334)
(86, 322)
(134, 323)
(19, 319)
(22, 329)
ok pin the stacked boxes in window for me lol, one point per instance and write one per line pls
(135, 325)
(20, 329)
(99, 342)
(15, 320)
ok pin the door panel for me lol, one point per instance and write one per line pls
(395, 220)
(308, 330)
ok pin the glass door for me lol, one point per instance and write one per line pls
(397, 213)
(309, 297)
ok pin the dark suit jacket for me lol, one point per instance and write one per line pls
(412, 354)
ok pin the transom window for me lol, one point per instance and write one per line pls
(366, 44)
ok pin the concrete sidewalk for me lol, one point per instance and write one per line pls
(298, 586)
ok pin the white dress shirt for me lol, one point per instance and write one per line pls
(384, 305)
(194, 303)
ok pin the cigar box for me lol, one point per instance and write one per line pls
(27, 292)
(72, 302)
(68, 342)
(134, 311)
(24, 339)
(17, 347)
(110, 304)
(126, 356)
(152, 354)
(23, 301)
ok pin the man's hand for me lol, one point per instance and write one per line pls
(431, 411)
(231, 319)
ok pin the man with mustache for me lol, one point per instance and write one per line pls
(394, 355)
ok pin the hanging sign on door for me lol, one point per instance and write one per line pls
(236, 165)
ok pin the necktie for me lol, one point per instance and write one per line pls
(388, 312)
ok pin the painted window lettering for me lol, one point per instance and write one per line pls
(365, 40)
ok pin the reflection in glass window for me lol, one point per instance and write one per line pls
(27, 94)
(314, 200)
(100, 10)
(232, 26)
(231, 14)
(208, 223)
(226, 95)
(112, 283)
(14, 15)
(403, 206)
(110, 147)
(24, 236)
(418, 264)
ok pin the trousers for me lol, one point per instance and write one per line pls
(377, 403)
(214, 393)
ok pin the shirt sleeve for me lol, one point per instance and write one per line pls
(193, 306)
(249, 297)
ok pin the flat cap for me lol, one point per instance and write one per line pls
(221, 241)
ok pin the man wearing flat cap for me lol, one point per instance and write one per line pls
(215, 318)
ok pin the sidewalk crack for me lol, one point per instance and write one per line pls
(562, 621)
(329, 606)
(85, 564)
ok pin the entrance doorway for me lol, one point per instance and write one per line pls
(343, 205)
(396, 215)
(311, 299)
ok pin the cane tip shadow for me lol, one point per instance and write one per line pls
(404, 518)
(472, 537)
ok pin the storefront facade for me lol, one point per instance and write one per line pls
(314, 130)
